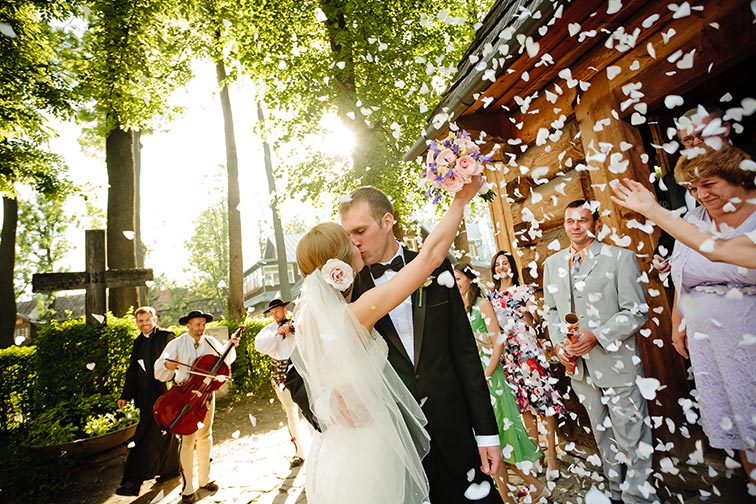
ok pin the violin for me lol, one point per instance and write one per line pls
(181, 409)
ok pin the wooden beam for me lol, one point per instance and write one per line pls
(50, 282)
(95, 299)
(127, 278)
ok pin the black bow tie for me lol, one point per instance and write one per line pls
(378, 269)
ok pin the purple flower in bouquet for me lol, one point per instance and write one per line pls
(452, 162)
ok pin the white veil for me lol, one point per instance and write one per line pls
(373, 437)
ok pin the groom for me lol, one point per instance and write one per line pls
(431, 347)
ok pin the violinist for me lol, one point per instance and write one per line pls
(277, 341)
(175, 363)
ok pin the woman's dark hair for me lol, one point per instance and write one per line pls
(512, 267)
(474, 293)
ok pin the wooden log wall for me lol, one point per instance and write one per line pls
(549, 146)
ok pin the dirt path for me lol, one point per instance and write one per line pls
(251, 465)
(251, 452)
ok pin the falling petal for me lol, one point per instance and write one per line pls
(132, 444)
(7, 30)
(596, 496)
(478, 491)
(648, 387)
(99, 318)
(236, 434)
(253, 420)
(614, 6)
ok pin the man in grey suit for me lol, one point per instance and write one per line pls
(601, 284)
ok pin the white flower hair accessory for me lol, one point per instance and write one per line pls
(337, 274)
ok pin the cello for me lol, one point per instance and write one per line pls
(181, 409)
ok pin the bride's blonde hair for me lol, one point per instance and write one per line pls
(324, 241)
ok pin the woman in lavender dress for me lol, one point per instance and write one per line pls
(717, 301)
(524, 360)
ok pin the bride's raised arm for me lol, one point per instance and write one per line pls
(377, 302)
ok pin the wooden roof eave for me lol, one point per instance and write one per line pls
(469, 79)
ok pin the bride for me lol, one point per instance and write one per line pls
(372, 439)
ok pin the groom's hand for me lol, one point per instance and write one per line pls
(490, 459)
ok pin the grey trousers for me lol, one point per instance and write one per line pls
(619, 421)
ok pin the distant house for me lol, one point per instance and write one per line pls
(262, 282)
(28, 316)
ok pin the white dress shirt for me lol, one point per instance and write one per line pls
(182, 349)
(401, 316)
(269, 342)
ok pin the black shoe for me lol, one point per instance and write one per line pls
(129, 488)
(211, 487)
(296, 462)
(166, 477)
(188, 499)
(616, 501)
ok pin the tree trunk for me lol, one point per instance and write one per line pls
(141, 250)
(121, 248)
(7, 264)
(282, 259)
(235, 303)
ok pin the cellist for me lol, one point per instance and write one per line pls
(174, 363)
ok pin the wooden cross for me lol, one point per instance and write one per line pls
(95, 279)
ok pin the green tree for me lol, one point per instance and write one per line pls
(33, 86)
(43, 223)
(209, 258)
(135, 54)
(378, 66)
(213, 20)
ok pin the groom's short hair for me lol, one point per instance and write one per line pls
(377, 201)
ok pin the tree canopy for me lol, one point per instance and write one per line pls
(378, 66)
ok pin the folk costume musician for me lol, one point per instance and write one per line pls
(175, 364)
(277, 341)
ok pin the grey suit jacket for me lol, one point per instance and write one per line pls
(609, 300)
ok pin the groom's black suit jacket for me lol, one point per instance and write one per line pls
(447, 377)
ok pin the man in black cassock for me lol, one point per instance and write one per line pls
(153, 452)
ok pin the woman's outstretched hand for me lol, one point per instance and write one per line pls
(633, 195)
(469, 190)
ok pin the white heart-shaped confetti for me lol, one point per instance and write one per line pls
(446, 279)
(596, 496)
(129, 235)
(99, 318)
(7, 30)
(478, 491)
(613, 71)
(573, 29)
(614, 6)
(91, 366)
(253, 420)
(648, 387)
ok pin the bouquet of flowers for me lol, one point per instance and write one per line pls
(452, 162)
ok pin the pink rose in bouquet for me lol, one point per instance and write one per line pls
(467, 167)
(452, 162)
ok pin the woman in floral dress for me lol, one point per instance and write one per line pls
(518, 451)
(524, 360)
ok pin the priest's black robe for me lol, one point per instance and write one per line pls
(154, 452)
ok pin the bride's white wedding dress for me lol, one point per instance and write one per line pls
(372, 439)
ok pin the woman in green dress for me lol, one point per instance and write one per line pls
(516, 446)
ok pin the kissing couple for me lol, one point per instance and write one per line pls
(385, 364)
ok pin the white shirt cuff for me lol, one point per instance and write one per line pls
(484, 441)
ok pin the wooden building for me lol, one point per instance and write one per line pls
(575, 94)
